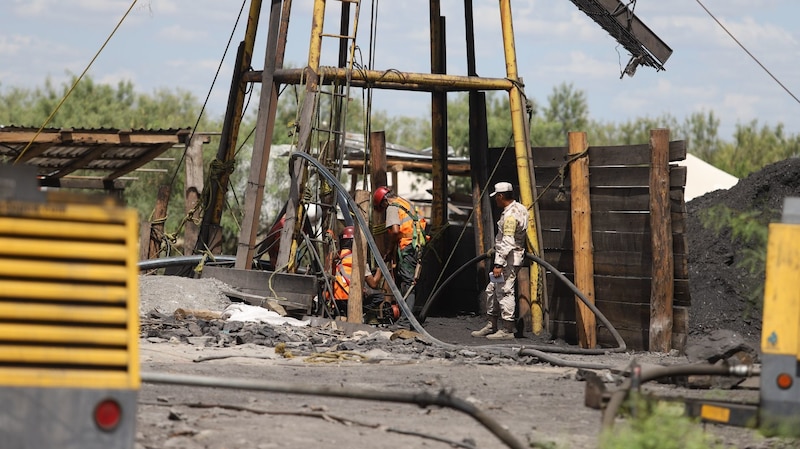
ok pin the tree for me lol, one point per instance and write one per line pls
(568, 107)
(94, 105)
(755, 147)
(701, 133)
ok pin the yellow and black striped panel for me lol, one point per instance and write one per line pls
(68, 295)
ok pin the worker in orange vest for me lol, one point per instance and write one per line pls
(343, 276)
(407, 234)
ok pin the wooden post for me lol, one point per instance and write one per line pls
(663, 282)
(145, 235)
(582, 248)
(262, 141)
(159, 217)
(482, 220)
(194, 185)
(355, 309)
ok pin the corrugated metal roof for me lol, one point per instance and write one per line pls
(107, 153)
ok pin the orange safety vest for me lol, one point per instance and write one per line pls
(344, 269)
(412, 227)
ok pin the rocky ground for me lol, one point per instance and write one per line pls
(540, 403)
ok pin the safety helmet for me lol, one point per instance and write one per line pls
(379, 195)
(348, 232)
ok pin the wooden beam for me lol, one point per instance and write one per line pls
(453, 168)
(193, 187)
(378, 177)
(661, 294)
(582, 237)
(140, 161)
(355, 301)
(78, 163)
(112, 137)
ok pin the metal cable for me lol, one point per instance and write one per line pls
(748, 52)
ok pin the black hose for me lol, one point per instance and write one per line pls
(178, 261)
(621, 346)
(422, 398)
(533, 350)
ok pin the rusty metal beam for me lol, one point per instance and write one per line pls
(388, 79)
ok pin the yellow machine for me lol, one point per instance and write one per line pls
(69, 368)
(780, 332)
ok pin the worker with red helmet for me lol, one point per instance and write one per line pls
(343, 274)
(406, 229)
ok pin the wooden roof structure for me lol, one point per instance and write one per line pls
(86, 158)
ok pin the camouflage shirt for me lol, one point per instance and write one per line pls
(509, 243)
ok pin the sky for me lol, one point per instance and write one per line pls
(180, 44)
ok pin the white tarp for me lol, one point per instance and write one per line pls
(702, 177)
(248, 313)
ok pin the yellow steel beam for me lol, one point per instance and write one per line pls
(521, 145)
(780, 330)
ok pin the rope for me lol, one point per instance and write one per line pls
(562, 169)
(77, 80)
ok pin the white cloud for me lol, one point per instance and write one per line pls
(93, 6)
(740, 106)
(11, 45)
(180, 33)
(31, 8)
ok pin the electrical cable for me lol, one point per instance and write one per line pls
(748, 52)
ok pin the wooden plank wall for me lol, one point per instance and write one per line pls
(619, 197)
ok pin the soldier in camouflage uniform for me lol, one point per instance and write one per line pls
(509, 252)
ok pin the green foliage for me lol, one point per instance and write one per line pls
(755, 146)
(567, 107)
(657, 426)
(750, 228)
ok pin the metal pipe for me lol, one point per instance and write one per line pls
(657, 372)
(441, 398)
(521, 145)
(378, 79)
(163, 262)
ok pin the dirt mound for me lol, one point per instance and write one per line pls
(724, 292)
